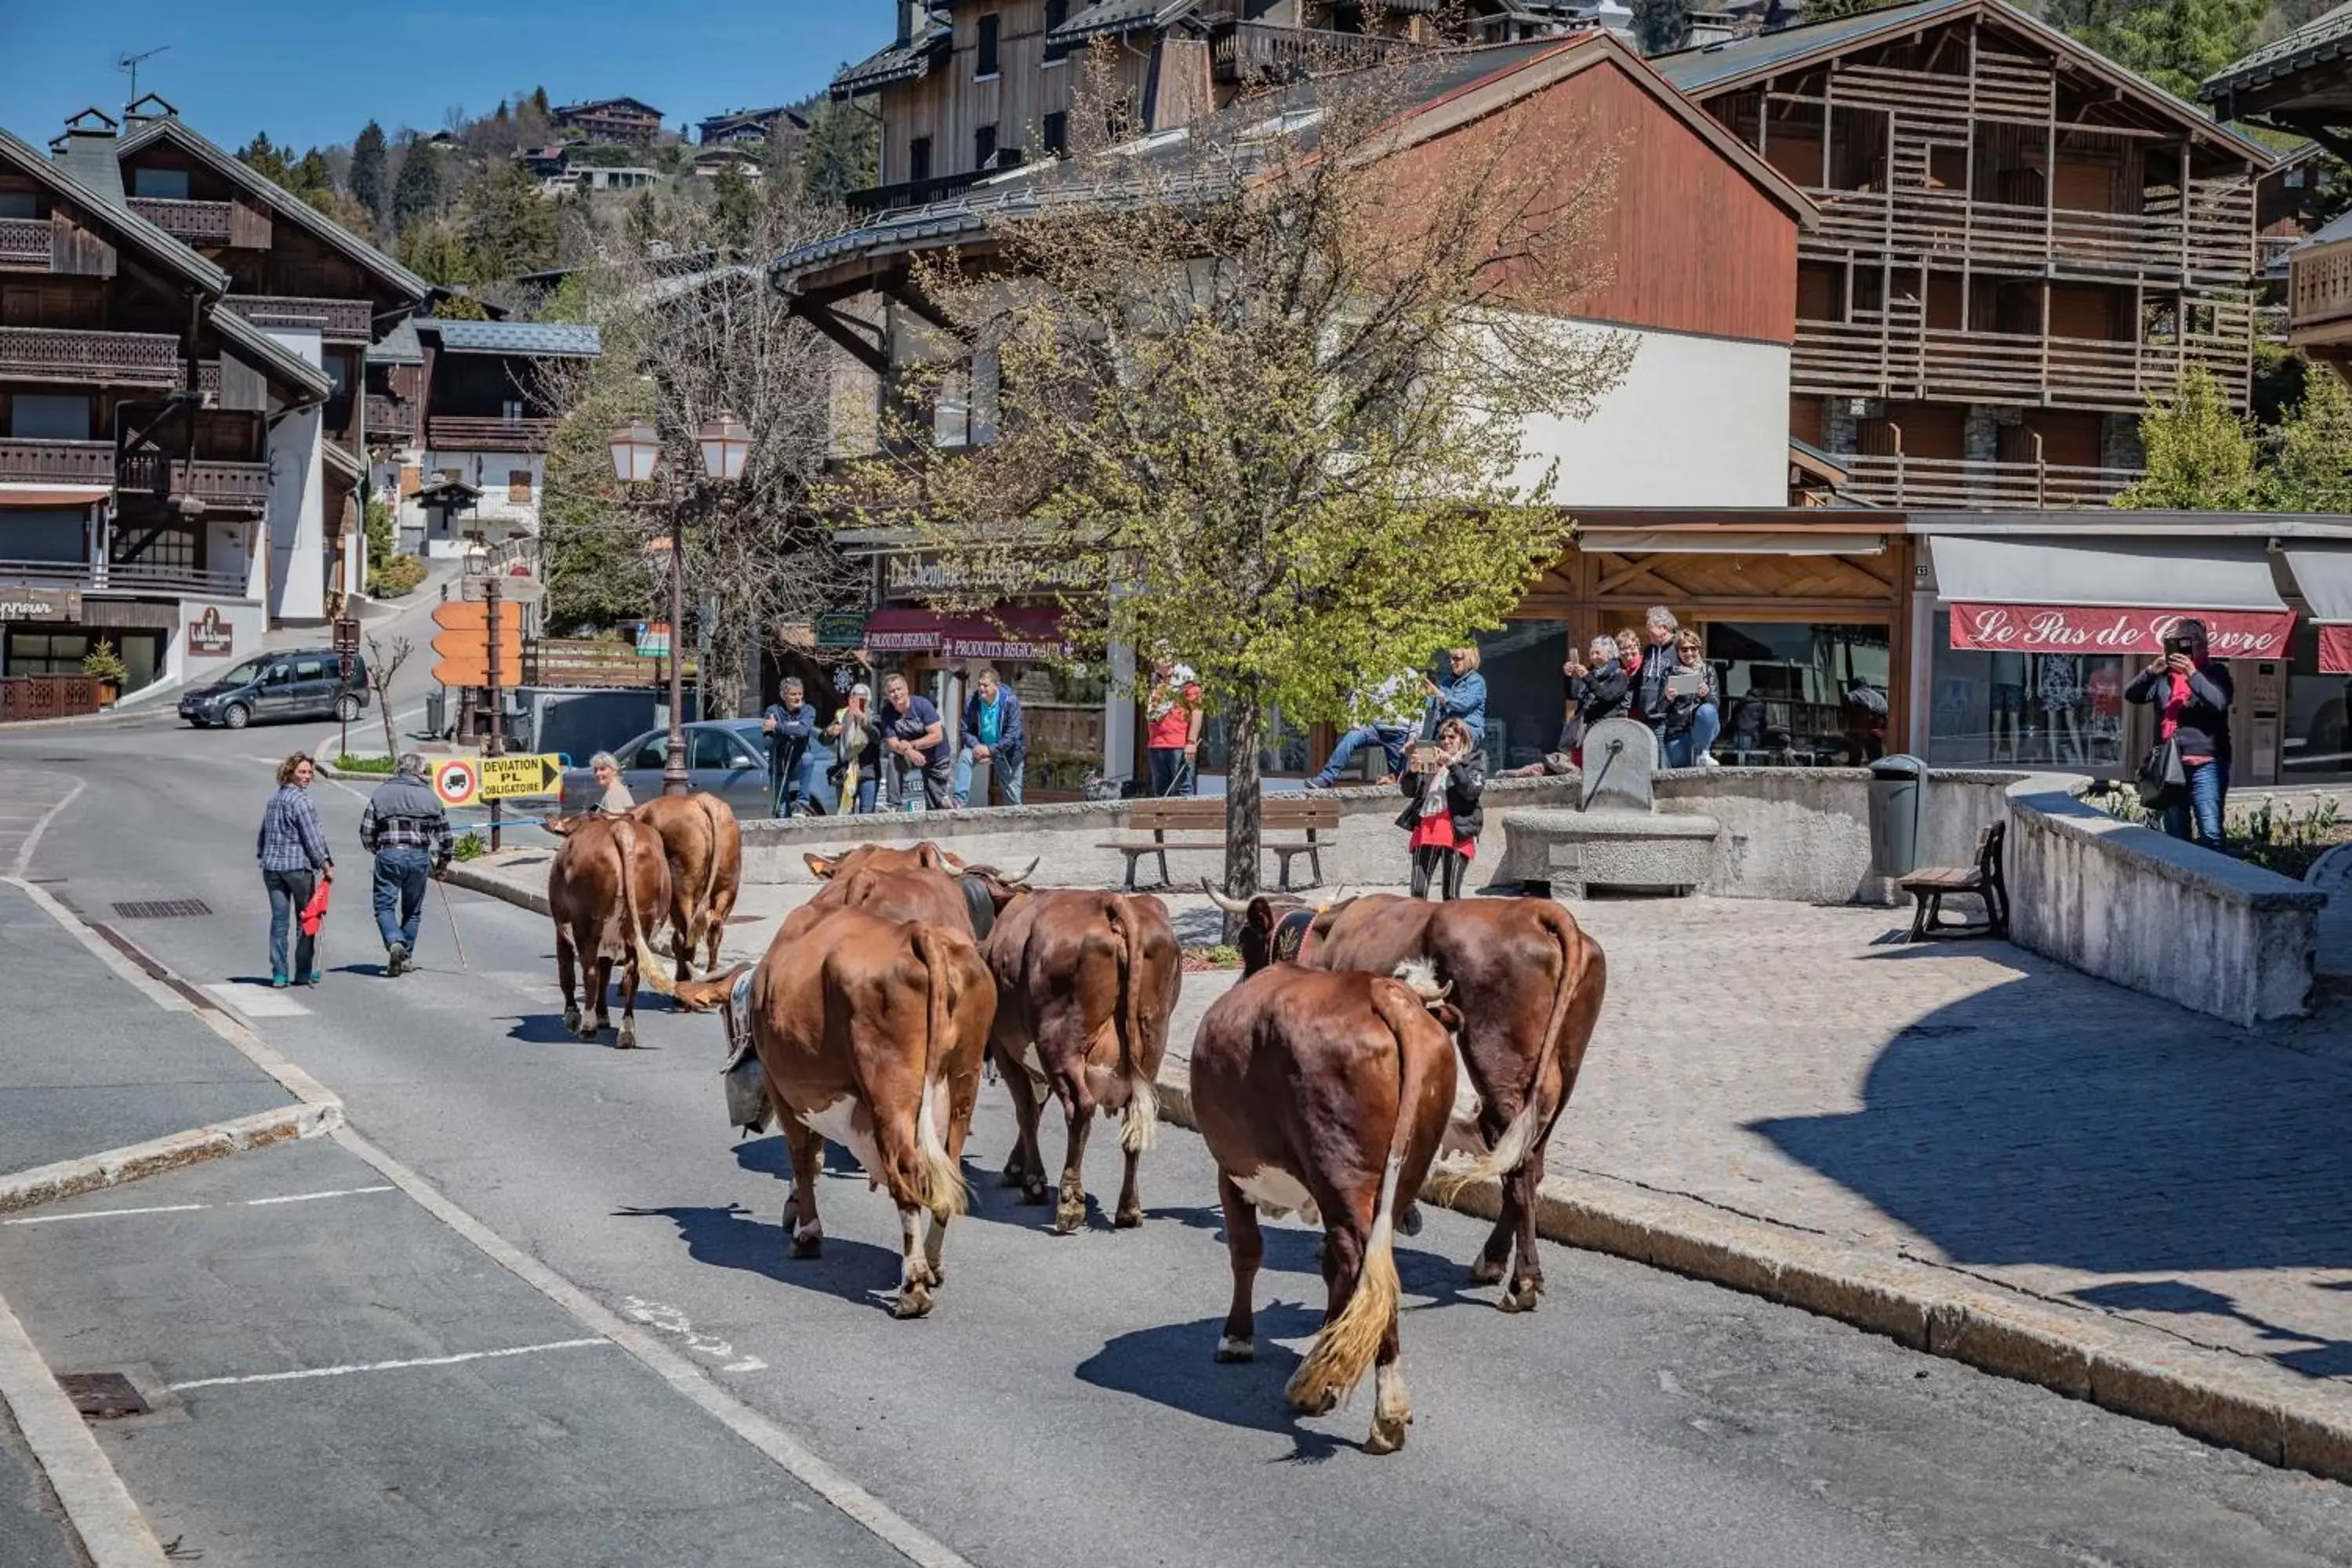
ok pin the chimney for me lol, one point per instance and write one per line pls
(911, 14)
(86, 151)
(154, 106)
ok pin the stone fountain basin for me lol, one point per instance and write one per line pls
(1630, 851)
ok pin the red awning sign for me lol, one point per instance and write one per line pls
(2336, 650)
(1014, 632)
(2097, 629)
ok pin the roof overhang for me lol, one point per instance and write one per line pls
(282, 366)
(142, 236)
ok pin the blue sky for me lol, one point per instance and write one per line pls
(314, 72)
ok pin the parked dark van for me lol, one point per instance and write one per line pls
(299, 683)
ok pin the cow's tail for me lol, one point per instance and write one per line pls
(943, 1189)
(1140, 1122)
(1511, 1149)
(1348, 1343)
(650, 969)
(710, 805)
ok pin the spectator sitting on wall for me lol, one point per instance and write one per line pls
(1389, 727)
(994, 732)
(789, 725)
(1459, 693)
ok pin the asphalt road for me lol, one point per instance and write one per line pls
(1061, 1406)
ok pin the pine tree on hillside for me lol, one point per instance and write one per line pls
(510, 227)
(842, 152)
(262, 156)
(735, 205)
(538, 101)
(367, 170)
(2175, 44)
(1663, 25)
(417, 195)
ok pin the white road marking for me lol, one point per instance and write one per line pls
(32, 839)
(258, 1001)
(313, 1197)
(670, 1321)
(105, 1213)
(309, 1372)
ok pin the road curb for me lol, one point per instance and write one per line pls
(98, 1507)
(2236, 1402)
(477, 877)
(92, 1173)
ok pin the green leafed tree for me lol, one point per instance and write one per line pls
(1271, 399)
(367, 170)
(416, 195)
(2311, 464)
(2200, 452)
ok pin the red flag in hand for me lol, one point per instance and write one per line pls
(314, 913)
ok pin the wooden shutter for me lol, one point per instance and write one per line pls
(519, 485)
(412, 479)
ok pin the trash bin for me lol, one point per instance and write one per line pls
(1898, 801)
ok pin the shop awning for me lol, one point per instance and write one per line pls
(2109, 594)
(2323, 574)
(1013, 631)
(52, 495)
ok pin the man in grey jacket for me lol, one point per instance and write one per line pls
(408, 833)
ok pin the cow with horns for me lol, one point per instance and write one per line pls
(608, 887)
(1085, 985)
(703, 844)
(1329, 1092)
(1529, 982)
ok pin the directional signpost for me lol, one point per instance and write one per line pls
(463, 644)
(510, 778)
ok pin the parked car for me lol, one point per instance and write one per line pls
(299, 683)
(726, 757)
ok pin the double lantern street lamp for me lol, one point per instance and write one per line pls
(726, 442)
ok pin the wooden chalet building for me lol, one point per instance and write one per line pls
(967, 87)
(779, 129)
(612, 120)
(2020, 243)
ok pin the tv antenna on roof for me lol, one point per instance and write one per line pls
(127, 63)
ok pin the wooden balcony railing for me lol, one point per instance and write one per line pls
(24, 696)
(56, 462)
(2215, 243)
(2319, 294)
(25, 242)
(336, 321)
(1867, 359)
(191, 223)
(1899, 481)
(390, 420)
(130, 576)
(912, 193)
(48, 354)
(456, 433)
(239, 485)
(1267, 51)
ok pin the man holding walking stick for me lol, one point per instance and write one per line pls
(408, 833)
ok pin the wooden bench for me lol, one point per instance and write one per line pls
(1200, 827)
(1928, 888)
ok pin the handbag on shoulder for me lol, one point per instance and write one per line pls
(2161, 774)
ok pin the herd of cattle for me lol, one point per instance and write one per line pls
(1324, 1082)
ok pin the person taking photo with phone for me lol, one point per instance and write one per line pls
(1442, 784)
(2191, 691)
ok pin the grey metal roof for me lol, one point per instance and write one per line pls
(898, 62)
(153, 241)
(1109, 16)
(282, 202)
(275, 359)
(2324, 38)
(1695, 70)
(399, 345)
(539, 340)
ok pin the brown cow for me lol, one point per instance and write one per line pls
(918, 884)
(1085, 984)
(870, 1032)
(1529, 983)
(607, 889)
(1327, 1092)
(704, 846)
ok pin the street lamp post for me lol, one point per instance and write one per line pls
(725, 443)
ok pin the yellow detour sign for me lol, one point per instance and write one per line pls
(504, 778)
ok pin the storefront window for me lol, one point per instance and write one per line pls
(1282, 754)
(2316, 738)
(1526, 694)
(2059, 709)
(1800, 695)
(47, 653)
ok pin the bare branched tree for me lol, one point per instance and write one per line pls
(384, 660)
(1269, 382)
(690, 330)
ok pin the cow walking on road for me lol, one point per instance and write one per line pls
(870, 1033)
(1085, 984)
(1327, 1092)
(607, 889)
(1529, 982)
(703, 844)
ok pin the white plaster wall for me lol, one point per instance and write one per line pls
(298, 505)
(247, 617)
(1697, 421)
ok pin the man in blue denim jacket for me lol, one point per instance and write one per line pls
(789, 725)
(994, 732)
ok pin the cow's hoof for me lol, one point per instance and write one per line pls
(1033, 1193)
(1012, 1175)
(1409, 1222)
(1486, 1271)
(809, 1245)
(1070, 1217)
(628, 1037)
(914, 1301)
(1522, 1297)
(1129, 1218)
(572, 1019)
(1230, 1349)
(1388, 1433)
(1314, 1401)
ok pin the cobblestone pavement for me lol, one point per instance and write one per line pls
(1972, 1105)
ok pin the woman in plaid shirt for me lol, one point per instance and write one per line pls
(293, 848)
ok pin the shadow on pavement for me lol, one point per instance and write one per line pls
(729, 1237)
(1174, 1365)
